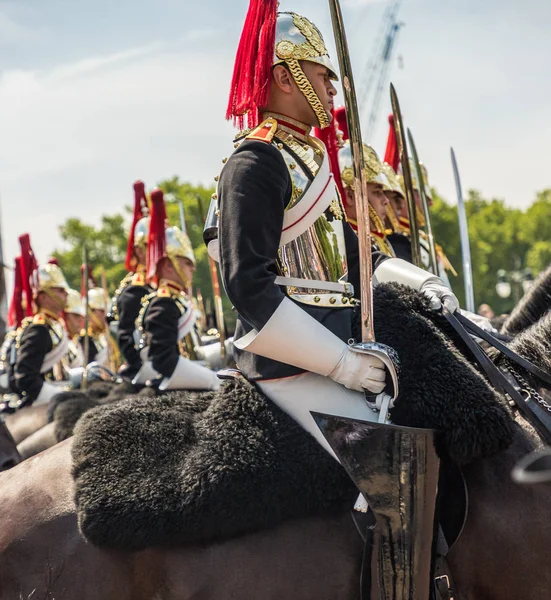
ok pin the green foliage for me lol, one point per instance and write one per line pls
(500, 238)
(106, 247)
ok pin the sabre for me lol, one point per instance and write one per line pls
(86, 318)
(360, 183)
(408, 184)
(424, 202)
(464, 235)
(218, 308)
(182, 218)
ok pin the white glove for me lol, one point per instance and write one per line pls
(439, 294)
(479, 320)
(360, 371)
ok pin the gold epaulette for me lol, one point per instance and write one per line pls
(138, 279)
(39, 319)
(264, 132)
(163, 292)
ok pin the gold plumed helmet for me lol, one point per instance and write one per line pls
(394, 184)
(177, 243)
(51, 276)
(75, 304)
(271, 38)
(297, 38)
(373, 167)
(141, 231)
(97, 299)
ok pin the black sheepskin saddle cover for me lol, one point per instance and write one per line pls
(195, 467)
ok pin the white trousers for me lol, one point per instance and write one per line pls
(300, 394)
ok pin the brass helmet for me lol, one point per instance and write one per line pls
(394, 184)
(141, 231)
(97, 299)
(297, 38)
(50, 276)
(177, 243)
(270, 38)
(75, 304)
(374, 172)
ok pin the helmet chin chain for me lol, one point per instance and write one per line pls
(57, 300)
(185, 281)
(307, 89)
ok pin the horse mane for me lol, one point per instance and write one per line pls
(532, 306)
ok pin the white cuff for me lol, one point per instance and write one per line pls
(400, 271)
(293, 337)
(189, 375)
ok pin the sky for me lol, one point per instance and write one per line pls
(95, 94)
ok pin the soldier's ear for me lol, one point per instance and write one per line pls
(283, 79)
(349, 199)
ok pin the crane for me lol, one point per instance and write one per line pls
(377, 68)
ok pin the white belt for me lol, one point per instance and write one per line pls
(344, 287)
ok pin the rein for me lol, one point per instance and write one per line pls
(538, 413)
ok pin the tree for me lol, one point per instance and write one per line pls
(107, 243)
(106, 248)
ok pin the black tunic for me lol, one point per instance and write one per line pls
(401, 245)
(161, 329)
(254, 190)
(129, 304)
(35, 343)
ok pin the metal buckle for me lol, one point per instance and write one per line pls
(443, 587)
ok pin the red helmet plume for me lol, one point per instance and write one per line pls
(29, 272)
(328, 136)
(342, 121)
(392, 156)
(16, 312)
(250, 85)
(140, 208)
(156, 240)
(86, 271)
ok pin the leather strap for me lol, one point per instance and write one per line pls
(314, 284)
(498, 345)
(536, 415)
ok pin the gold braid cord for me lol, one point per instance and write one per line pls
(397, 228)
(379, 228)
(306, 88)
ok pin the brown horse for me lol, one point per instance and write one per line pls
(497, 557)
(26, 421)
(9, 457)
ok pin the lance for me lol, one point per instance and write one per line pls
(218, 308)
(86, 317)
(424, 202)
(408, 184)
(464, 235)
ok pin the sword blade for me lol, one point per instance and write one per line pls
(464, 236)
(84, 382)
(360, 182)
(424, 202)
(408, 184)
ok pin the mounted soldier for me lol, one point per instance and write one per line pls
(399, 215)
(167, 316)
(74, 321)
(41, 341)
(289, 258)
(127, 301)
(102, 347)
